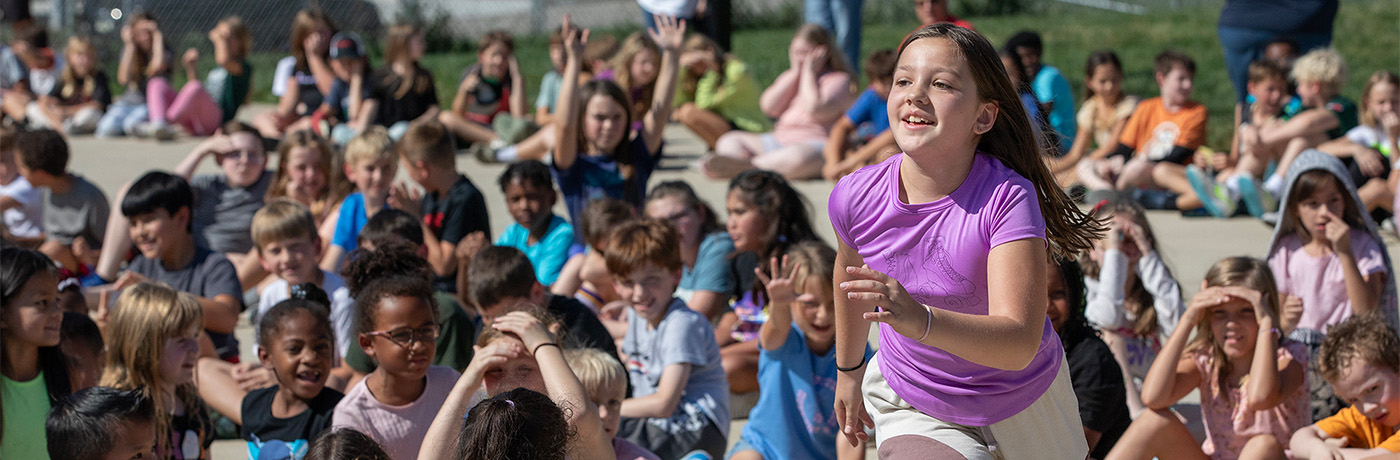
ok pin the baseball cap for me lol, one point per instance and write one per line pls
(347, 45)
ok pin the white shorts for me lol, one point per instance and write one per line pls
(1048, 429)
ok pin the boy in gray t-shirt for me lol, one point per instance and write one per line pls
(75, 211)
(680, 396)
(224, 203)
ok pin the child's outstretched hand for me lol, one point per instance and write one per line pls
(470, 245)
(669, 32)
(406, 199)
(897, 308)
(574, 39)
(1338, 233)
(525, 325)
(782, 289)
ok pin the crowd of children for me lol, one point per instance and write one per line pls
(389, 323)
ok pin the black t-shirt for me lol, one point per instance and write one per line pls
(413, 103)
(281, 438)
(72, 94)
(1098, 383)
(454, 216)
(584, 328)
(189, 435)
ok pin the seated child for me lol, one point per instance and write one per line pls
(403, 91)
(1369, 149)
(75, 211)
(1359, 358)
(717, 93)
(1164, 130)
(491, 88)
(223, 211)
(1251, 379)
(83, 350)
(78, 98)
(20, 202)
(158, 205)
(605, 382)
(586, 275)
(867, 120)
(102, 423)
(397, 247)
(288, 248)
(797, 363)
(344, 106)
(667, 343)
(1268, 93)
(501, 281)
(397, 322)
(537, 231)
(297, 345)
(452, 206)
(1101, 118)
(1093, 371)
(551, 82)
(1050, 86)
(18, 61)
(1322, 114)
(370, 164)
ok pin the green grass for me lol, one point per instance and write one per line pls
(1365, 34)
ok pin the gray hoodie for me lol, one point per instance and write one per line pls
(1313, 159)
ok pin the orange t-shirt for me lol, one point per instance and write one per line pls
(1361, 432)
(1153, 131)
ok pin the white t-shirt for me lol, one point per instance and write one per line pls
(26, 221)
(1372, 137)
(677, 8)
(285, 67)
(342, 307)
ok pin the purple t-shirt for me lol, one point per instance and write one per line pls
(938, 251)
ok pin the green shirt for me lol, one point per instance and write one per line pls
(26, 407)
(228, 90)
(454, 342)
(733, 97)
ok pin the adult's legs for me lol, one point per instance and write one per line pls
(847, 14)
(1241, 46)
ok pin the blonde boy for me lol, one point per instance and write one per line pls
(1321, 116)
(1361, 359)
(369, 163)
(284, 234)
(605, 382)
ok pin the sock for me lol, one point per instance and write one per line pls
(1274, 185)
(506, 154)
(1232, 183)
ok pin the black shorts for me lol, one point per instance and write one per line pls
(1359, 178)
(674, 437)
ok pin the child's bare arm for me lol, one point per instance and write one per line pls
(667, 398)
(567, 132)
(158, 63)
(669, 34)
(778, 96)
(1310, 442)
(836, 143)
(211, 146)
(1307, 123)
(441, 439)
(564, 387)
(287, 105)
(519, 108)
(781, 294)
(219, 37)
(464, 97)
(1172, 374)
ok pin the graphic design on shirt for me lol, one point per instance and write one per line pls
(188, 441)
(1163, 138)
(276, 449)
(941, 284)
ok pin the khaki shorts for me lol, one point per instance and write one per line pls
(1048, 429)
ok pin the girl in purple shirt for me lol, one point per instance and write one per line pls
(945, 246)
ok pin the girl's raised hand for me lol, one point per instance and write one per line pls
(1390, 122)
(669, 32)
(127, 32)
(781, 287)
(897, 308)
(525, 325)
(1338, 233)
(191, 57)
(1256, 299)
(1139, 236)
(574, 39)
(815, 60)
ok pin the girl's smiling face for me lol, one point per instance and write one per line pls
(1235, 328)
(36, 315)
(644, 68)
(300, 355)
(178, 357)
(306, 175)
(1106, 82)
(934, 103)
(1384, 98)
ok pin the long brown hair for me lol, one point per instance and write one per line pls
(397, 45)
(1305, 186)
(1245, 272)
(699, 43)
(619, 154)
(1137, 301)
(303, 25)
(142, 58)
(1011, 140)
(622, 72)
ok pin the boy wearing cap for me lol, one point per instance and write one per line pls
(345, 103)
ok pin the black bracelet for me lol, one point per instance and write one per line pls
(536, 351)
(856, 367)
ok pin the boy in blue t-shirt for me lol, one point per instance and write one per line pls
(543, 236)
(867, 119)
(680, 396)
(797, 364)
(1050, 86)
(369, 163)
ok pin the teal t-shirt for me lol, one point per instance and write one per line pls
(549, 253)
(26, 407)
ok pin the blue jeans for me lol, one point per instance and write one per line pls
(121, 118)
(1243, 46)
(842, 19)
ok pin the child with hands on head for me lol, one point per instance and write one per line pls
(201, 107)
(153, 344)
(1361, 359)
(35, 373)
(963, 313)
(489, 89)
(145, 57)
(1250, 376)
(717, 93)
(1131, 295)
(797, 363)
(597, 153)
(1326, 252)
(301, 80)
(223, 215)
(518, 351)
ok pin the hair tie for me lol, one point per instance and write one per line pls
(512, 403)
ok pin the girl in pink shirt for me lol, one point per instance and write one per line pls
(1251, 377)
(807, 99)
(945, 246)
